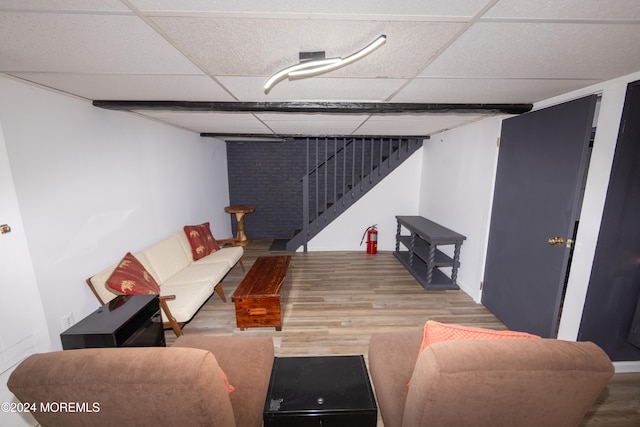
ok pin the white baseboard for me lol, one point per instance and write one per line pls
(627, 367)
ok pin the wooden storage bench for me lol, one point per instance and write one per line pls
(261, 296)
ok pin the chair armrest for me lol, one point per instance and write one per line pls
(93, 289)
(231, 241)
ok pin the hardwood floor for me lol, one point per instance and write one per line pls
(338, 299)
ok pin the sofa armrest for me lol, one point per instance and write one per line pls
(247, 361)
(232, 241)
(142, 386)
(392, 357)
(172, 323)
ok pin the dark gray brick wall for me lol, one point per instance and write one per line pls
(267, 175)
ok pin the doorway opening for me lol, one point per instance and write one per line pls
(583, 186)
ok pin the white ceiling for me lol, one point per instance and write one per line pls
(437, 51)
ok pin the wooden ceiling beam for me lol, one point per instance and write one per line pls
(315, 107)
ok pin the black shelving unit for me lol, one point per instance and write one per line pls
(417, 249)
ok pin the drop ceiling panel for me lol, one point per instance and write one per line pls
(85, 43)
(311, 124)
(381, 8)
(132, 87)
(315, 89)
(65, 5)
(541, 50)
(463, 90)
(519, 51)
(249, 47)
(567, 9)
(414, 125)
(210, 122)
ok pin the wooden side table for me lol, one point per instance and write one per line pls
(240, 211)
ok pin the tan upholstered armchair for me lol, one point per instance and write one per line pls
(523, 382)
(182, 385)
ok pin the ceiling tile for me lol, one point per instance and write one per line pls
(305, 8)
(566, 9)
(414, 125)
(520, 51)
(541, 50)
(312, 124)
(461, 90)
(249, 47)
(210, 122)
(312, 89)
(85, 43)
(132, 87)
(65, 5)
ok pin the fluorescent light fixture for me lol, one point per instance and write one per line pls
(320, 66)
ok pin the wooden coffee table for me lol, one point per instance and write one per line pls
(261, 296)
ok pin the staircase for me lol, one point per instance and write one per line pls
(340, 172)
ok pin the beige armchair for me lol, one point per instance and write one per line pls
(503, 382)
(182, 385)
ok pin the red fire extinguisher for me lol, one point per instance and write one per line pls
(372, 240)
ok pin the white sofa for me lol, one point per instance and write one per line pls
(185, 285)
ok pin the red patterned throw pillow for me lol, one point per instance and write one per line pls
(131, 278)
(201, 240)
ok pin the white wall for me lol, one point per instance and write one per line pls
(93, 184)
(456, 191)
(397, 194)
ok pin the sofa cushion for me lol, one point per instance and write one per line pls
(211, 272)
(201, 240)
(189, 298)
(166, 258)
(98, 283)
(131, 278)
(228, 255)
(436, 332)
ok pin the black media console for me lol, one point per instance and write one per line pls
(125, 321)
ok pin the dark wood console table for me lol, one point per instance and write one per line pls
(418, 251)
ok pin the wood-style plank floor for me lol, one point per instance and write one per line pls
(338, 299)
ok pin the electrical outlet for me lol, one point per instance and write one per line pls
(67, 321)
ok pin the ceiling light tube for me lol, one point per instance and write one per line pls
(321, 66)
(310, 72)
(282, 74)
